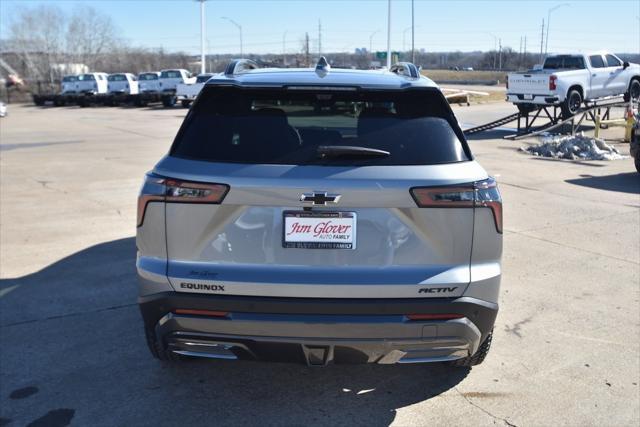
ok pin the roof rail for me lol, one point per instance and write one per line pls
(238, 66)
(405, 69)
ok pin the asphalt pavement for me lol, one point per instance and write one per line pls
(565, 351)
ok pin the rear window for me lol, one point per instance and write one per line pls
(117, 78)
(148, 76)
(202, 79)
(415, 127)
(612, 61)
(563, 62)
(68, 79)
(172, 74)
(86, 77)
(596, 61)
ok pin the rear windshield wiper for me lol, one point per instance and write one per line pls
(333, 151)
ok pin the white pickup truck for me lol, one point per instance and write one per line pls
(186, 93)
(169, 80)
(568, 81)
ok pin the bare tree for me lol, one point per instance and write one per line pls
(38, 36)
(90, 36)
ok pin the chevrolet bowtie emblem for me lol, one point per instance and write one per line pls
(319, 199)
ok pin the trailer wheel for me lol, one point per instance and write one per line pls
(169, 101)
(571, 104)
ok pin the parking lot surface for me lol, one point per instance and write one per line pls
(565, 349)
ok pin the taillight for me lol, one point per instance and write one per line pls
(488, 196)
(482, 194)
(159, 189)
(552, 82)
(434, 316)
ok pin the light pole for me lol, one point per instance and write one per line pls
(404, 37)
(371, 41)
(546, 43)
(239, 27)
(389, 34)
(202, 37)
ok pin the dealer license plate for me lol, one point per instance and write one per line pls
(319, 230)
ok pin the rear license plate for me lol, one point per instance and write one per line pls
(319, 230)
(528, 97)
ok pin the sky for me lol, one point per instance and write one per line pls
(577, 26)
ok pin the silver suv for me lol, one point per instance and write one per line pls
(320, 216)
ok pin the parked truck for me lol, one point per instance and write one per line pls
(186, 93)
(568, 81)
(169, 80)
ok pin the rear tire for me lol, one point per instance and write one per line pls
(478, 357)
(169, 101)
(633, 93)
(185, 103)
(157, 350)
(572, 104)
(526, 108)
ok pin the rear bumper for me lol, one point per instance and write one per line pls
(533, 99)
(319, 331)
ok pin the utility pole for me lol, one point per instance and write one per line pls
(541, 40)
(524, 56)
(520, 53)
(413, 34)
(319, 38)
(284, 49)
(389, 35)
(500, 53)
(306, 49)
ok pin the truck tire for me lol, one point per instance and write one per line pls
(185, 103)
(169, 101)
(478, 357)
(634, 91)
(525, 109)
(636, 161)
(572, 104)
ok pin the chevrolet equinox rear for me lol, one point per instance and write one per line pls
(319, 216)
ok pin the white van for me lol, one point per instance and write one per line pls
(149, 82)
(92, 83)
(122, 83)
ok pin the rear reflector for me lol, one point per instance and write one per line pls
(434, 316)
(209, 313)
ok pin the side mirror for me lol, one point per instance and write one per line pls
(625, 65)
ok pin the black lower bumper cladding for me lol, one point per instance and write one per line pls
(481, 313)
